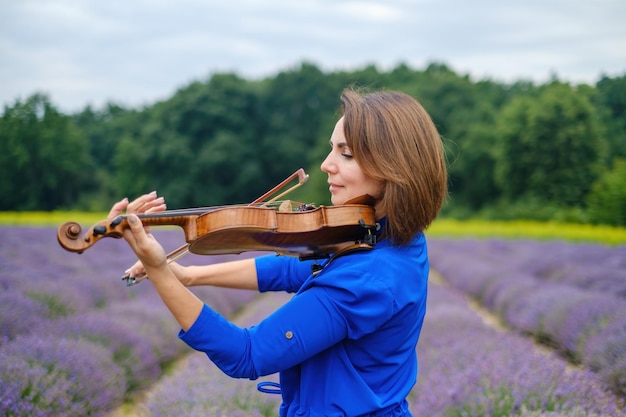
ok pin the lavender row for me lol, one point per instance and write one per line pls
(74, 339)
(593, 267)
(567, 295)
(199, 388)
(40, 282)
(466, 369)
(33, 264)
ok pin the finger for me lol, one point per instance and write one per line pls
(156, 206)
(135, 270)
(136, 227)
(132, 234)
(136, 205)
(118, 208)
(147, 249)
(148, 205)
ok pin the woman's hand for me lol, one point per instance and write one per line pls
(147, 203)
(150, 252)
(180, 271)
(182, 303)
(136, 270)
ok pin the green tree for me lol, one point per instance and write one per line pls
(168, 153)
(300, 109)
(549, 146)
(228, 140)
(464, 113)
(44, 161)
(607, 200)
(611, 94)
(104, 130)
(450, 99)
(471, 169)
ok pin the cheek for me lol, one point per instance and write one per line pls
(370, 186)
(376, 189)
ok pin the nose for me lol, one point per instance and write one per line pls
(327, 165)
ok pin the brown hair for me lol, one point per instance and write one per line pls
(394, 140)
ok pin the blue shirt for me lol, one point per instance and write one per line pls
(344, 344)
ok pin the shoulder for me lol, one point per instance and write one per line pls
(368, 288)
(390, 268)
(388, 260)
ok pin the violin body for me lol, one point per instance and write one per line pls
(314, 233)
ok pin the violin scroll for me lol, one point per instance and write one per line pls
(69, 234)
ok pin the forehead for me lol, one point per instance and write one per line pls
(338, 137)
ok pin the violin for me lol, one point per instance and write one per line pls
(287, 228)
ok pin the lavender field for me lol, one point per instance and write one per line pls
(569, 296)
(467, 368)
(76, 341)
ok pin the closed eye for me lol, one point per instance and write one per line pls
(345, 151)
(343, 148)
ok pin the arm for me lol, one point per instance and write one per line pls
(309, 323)
(263, 273)
(236, 274)
(301, 328)
(182, 303)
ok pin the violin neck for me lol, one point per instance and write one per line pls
(173, 213)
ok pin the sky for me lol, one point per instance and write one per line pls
(137, 52)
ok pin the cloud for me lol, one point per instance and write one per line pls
(370, 11)
(137, 52)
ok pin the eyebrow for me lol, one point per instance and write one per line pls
(339, 145)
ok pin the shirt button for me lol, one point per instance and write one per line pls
(289, 334)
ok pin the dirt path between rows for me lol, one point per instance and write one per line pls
(132, 408)
(492, 320)
(487, 317)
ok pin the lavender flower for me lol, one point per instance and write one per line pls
(199, 388)
(469, 369)
(47, 375)
(560, 293)
(19, 314)
(75, 340)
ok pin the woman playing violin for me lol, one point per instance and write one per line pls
(344, 345)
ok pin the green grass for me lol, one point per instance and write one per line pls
(518, 229)
(48, 218)
(523, 229)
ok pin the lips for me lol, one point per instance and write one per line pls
(333, 187)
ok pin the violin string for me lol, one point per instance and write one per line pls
(202, 210)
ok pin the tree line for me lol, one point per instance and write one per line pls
(551, 151)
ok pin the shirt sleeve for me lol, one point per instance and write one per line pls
(309, 323)
(281, 273)
(302, 327)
